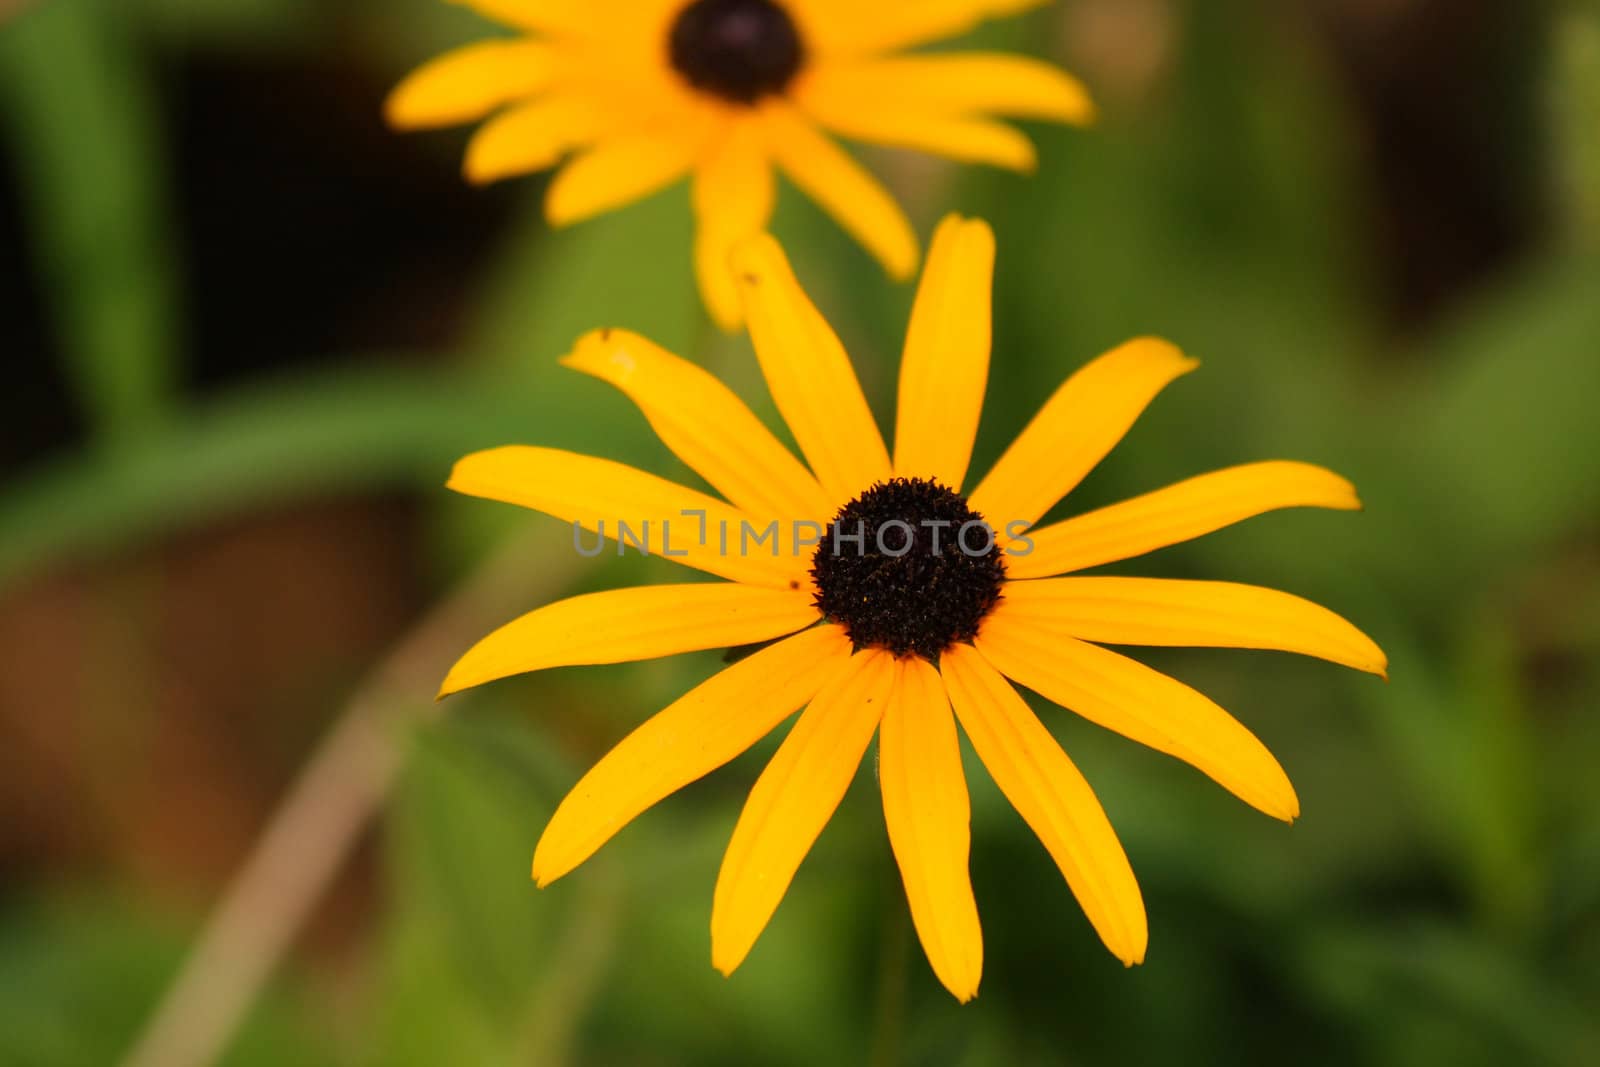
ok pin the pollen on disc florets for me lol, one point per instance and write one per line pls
(740, 50)
(909, 567)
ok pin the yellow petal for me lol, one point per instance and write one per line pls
(827, 174)
(792, 801)
(809, 374)
(700, 732)
(617, 171)
(946, 364)
(733, 193)
(1155, 611)
(851, 26)
(705, 425)
(1052, 797)
(1140, 704)
(535, 135)
(961, 138)
(1074, 430)
(929, 818)
(967, 83)
(468, 83)
(622, 625)
(636, 509)
(1177, 513)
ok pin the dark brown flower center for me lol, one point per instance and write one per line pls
(740, 50)
(908, 566)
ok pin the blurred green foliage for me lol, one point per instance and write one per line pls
(78, 102)
(1438, 903)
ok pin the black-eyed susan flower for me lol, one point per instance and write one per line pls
(898, 604)
(642, 93)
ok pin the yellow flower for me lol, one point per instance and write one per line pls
(645, 92)
(887, 636)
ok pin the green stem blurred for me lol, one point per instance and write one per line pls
(894, 953)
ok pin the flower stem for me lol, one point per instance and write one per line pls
(343, 785)
(894, 954)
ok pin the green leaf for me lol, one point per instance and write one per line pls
(1509, 430)
(463, 829)
(78, 99)
(478, 965)
(1460, 736)
(353, 430)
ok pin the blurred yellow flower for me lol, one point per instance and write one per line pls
(645, 92)
(899, 604)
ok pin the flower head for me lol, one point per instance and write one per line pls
(642, 93)
(899, 603)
